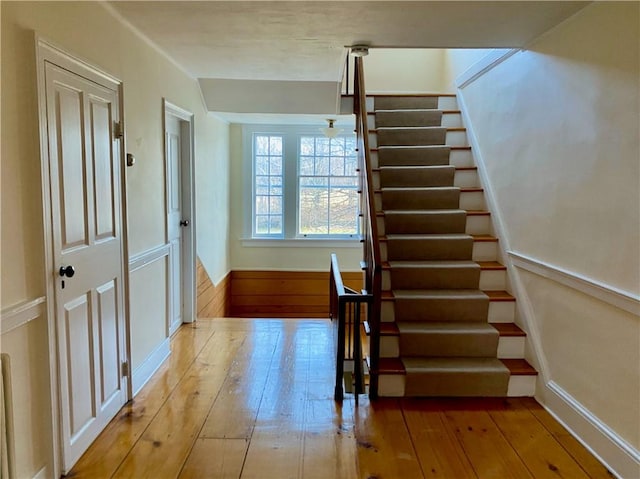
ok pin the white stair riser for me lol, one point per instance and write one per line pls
(489, 280)
(485, 251)
(466, 178)
(457, 138)
(511, 347)
(392, 385)
(502, 311)
(472, 200)
(461, 158)
(452, 120)
(374, 159)
(447, 103)
(478, 225)
(522, 386)
(493, 280)
(499, 312)
(387, 312)
(389, 347)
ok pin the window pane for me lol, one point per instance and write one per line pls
(337, 166)
(268, 206)
(307, 145)
(262, 165)
(262, 145)
(275, 145)
(306, 165)
(322, 165)
(314, 212)
(275, 166)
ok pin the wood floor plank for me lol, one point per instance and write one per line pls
(329, 446)
(542, 454)
(213, 458)
(112, 446)
(234, 411)
(580, 454)
(490, 454)
(166, 443)
(437, 448)
(385, 450)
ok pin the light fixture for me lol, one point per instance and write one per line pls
(330, 131)
(360, 50)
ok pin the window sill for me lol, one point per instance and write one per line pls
(300, 243)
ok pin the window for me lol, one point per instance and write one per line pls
(268, 186)
(303, 184)
(327, 186)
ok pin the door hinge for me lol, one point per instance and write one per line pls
(125, 369)
(117, 130)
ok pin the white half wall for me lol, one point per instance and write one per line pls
(555, 131)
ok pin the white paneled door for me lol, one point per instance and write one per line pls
(86, 220)
(175, 222)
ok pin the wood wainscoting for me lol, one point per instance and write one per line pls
(212, 301)
(284, 294)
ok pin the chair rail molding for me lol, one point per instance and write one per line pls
(19, 314)
(619, 298)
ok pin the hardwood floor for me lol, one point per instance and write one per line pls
(253, 398)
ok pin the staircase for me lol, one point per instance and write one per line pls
(447, 321)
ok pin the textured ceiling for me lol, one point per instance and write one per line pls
(304, 41)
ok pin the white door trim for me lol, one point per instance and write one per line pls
(47, 52)
(188, 206)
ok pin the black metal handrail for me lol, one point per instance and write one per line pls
(372, 264)
(345, 309)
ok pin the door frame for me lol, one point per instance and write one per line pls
(48, 52)
(188, 207)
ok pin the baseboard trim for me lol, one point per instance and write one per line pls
(19, 314)
(609, 294)
(149, 366)
(482, 66)
(596, 436)
(141, 260)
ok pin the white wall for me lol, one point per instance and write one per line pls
(402, 70)
(90, 31)
(457, 61)
(557, 129)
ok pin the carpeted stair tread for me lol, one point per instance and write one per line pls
(398, 102)
(413, 155)
(419, 176)
(455, 377)
(408, 117)
(434, 274)
(447, 339)
(429, 247)
(440, 305)
(411, 136)
(439, 197)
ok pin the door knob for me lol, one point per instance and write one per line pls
(67, 271)
(184, 223)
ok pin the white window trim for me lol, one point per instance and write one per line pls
(290, 191)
